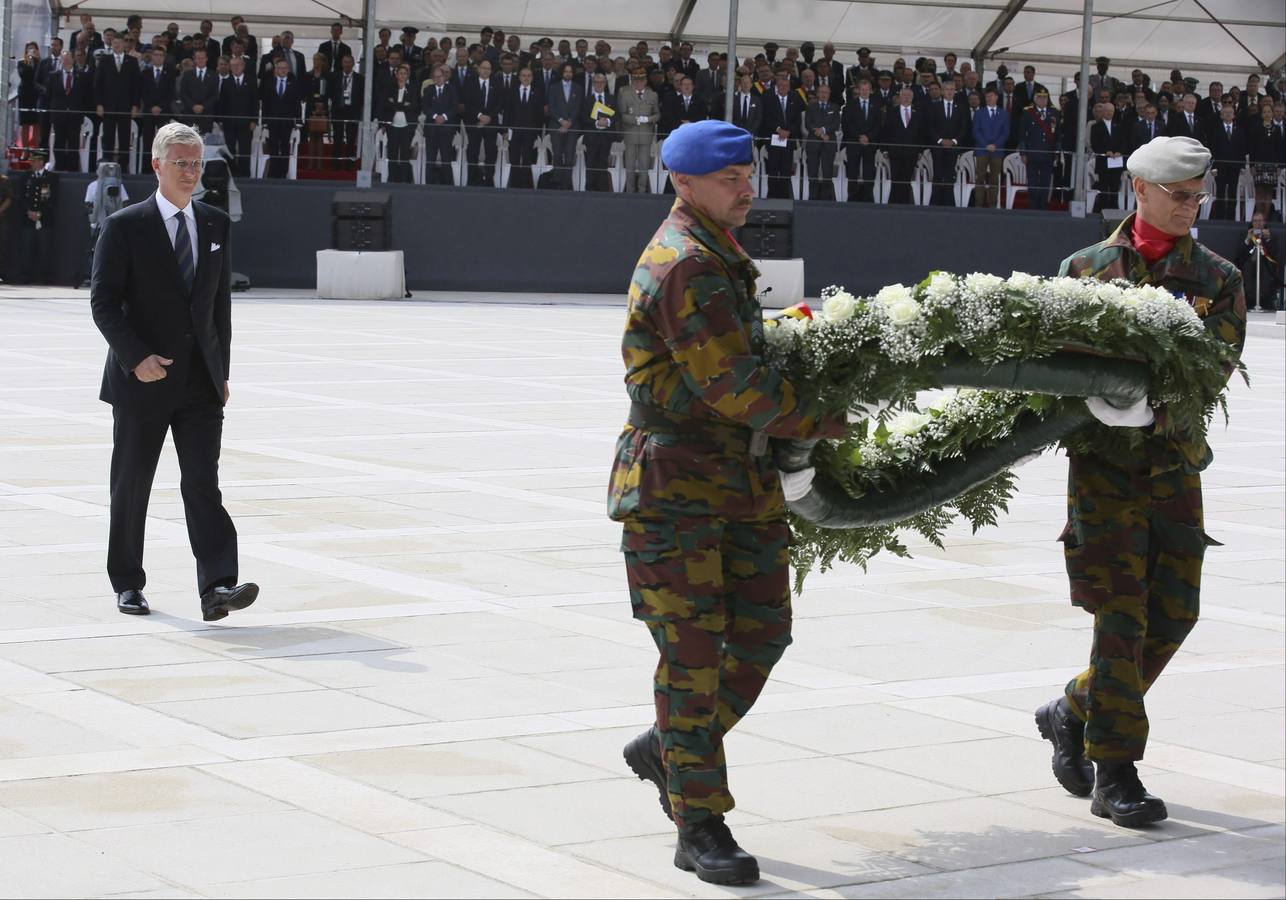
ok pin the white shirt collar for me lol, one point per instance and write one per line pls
(168, 209)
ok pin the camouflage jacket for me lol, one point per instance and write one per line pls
(692, 344)
(1206, 280)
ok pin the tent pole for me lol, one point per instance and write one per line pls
(730, 67)
(1083, 107)
(368, 92)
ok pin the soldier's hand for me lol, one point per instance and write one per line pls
(152, 368)
(796, 485)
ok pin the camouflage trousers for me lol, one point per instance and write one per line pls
(715, 595)
(1133, 547)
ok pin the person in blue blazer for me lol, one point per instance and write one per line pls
(990, 132)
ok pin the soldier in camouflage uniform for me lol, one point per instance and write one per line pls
(1134, 539)
(705, 538)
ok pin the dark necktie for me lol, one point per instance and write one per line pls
(281, 87)
(183, 250)
(948, 110)
(864, 110)
(67, 84)
(484, 95)
(745, 108)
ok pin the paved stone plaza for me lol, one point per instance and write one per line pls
(430, 697)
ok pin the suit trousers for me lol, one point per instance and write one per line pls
(137, 438)
(944, 176)
(522, 155)
(1225, 206)
(440, 153)
(344, 135)
(1040, 174)
(778, 165)
(1109, 186)
(638, 163)
(237, 137)
(399, 154)
(861, 172)
(598, 155)
(820, 158)
(901, 171)
(564, 147)
(116, 135)
(481, 142)
(278, 150)
(987, 173)
(67, 141)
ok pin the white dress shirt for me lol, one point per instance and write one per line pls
(168, 210)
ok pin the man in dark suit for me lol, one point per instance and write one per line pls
(296, 66)
(747, 106)
(905, 132)
(862, 124)
(1185, 122)
(1105, 142)
(1027, 89)
(524, 118)
(685, 63)
(198, 93)
(67, 97)
(1146, 128)
(600, 132)
(949, 130)
(116, 96)
(160, 296)
(483, 104)
(564, 104)
(821, 129)
(345, 112)
(239, 114)
(280, 102)
(438, 102)
(682, 107)
(202, 39)
(155, 100)
(335, 49)
(782, 125)
(1038, 143)
(1228, 146)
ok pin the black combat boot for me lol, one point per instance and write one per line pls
(709, 849)
(1059, 725)
(1121, 797)
(643, 756)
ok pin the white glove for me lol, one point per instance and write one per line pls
(642, 120)
(797, 484)
(862, 412)
(1137, 415)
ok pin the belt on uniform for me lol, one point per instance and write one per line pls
(737, 438)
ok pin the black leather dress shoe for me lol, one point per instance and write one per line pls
(216, 603)
(709, 849)
(1059, 725)
(1121, 797)
(132, 603)
(643, 756)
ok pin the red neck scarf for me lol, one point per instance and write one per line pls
(1152, 243)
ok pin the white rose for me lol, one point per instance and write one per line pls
(983, 283)
(1110, 293)
(839, 307)
(942, 287)
(908, 423)
(1023, 282)
(902, 312)
(893, 293)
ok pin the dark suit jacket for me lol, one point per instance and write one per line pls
(141, 305)
(327, 49)
(1179, 126)
(590, 123)
(1140, 133)
(193, 91)
(855, 124)
(957, 128)
(251, 46)
(909, 138)
(338, 109)
(772, 119)
(529, 115)
(1264, 144)
(238, 105)
(561, 108)
(474, 107)
(1103, 143)
(116, 90)
(81, 98)
(280, 112)
(432, 105)
(815, 118)
(1026, 99)
(673, 114)
(387, 105)
(156, 89)
(1227, 149)
(751, 122)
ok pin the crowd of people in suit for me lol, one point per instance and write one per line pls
(502, 93)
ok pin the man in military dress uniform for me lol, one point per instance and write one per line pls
(705, 534)
(33, 244)
(1134, 539)
(1038, 142)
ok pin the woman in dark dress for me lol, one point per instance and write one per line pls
(1264, 143)
(30, 93)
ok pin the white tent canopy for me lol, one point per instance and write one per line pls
(1227, 36)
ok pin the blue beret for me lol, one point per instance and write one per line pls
(700, 148)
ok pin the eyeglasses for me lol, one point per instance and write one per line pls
(187, 165)
(1183, 197)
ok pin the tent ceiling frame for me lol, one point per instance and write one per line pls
(996, 28)
(70, 10)
(1053, 11)
(681, 20)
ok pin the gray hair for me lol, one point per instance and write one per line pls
(175, 133)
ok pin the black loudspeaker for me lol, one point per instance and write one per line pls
(362, 220)
(769, 230)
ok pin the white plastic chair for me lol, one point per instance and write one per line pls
(86, 139)
(1208, 185)
(922, 180)
(1245, 195)
(883, 177)
(1013, 180)
(417, 156)
(965, 178)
